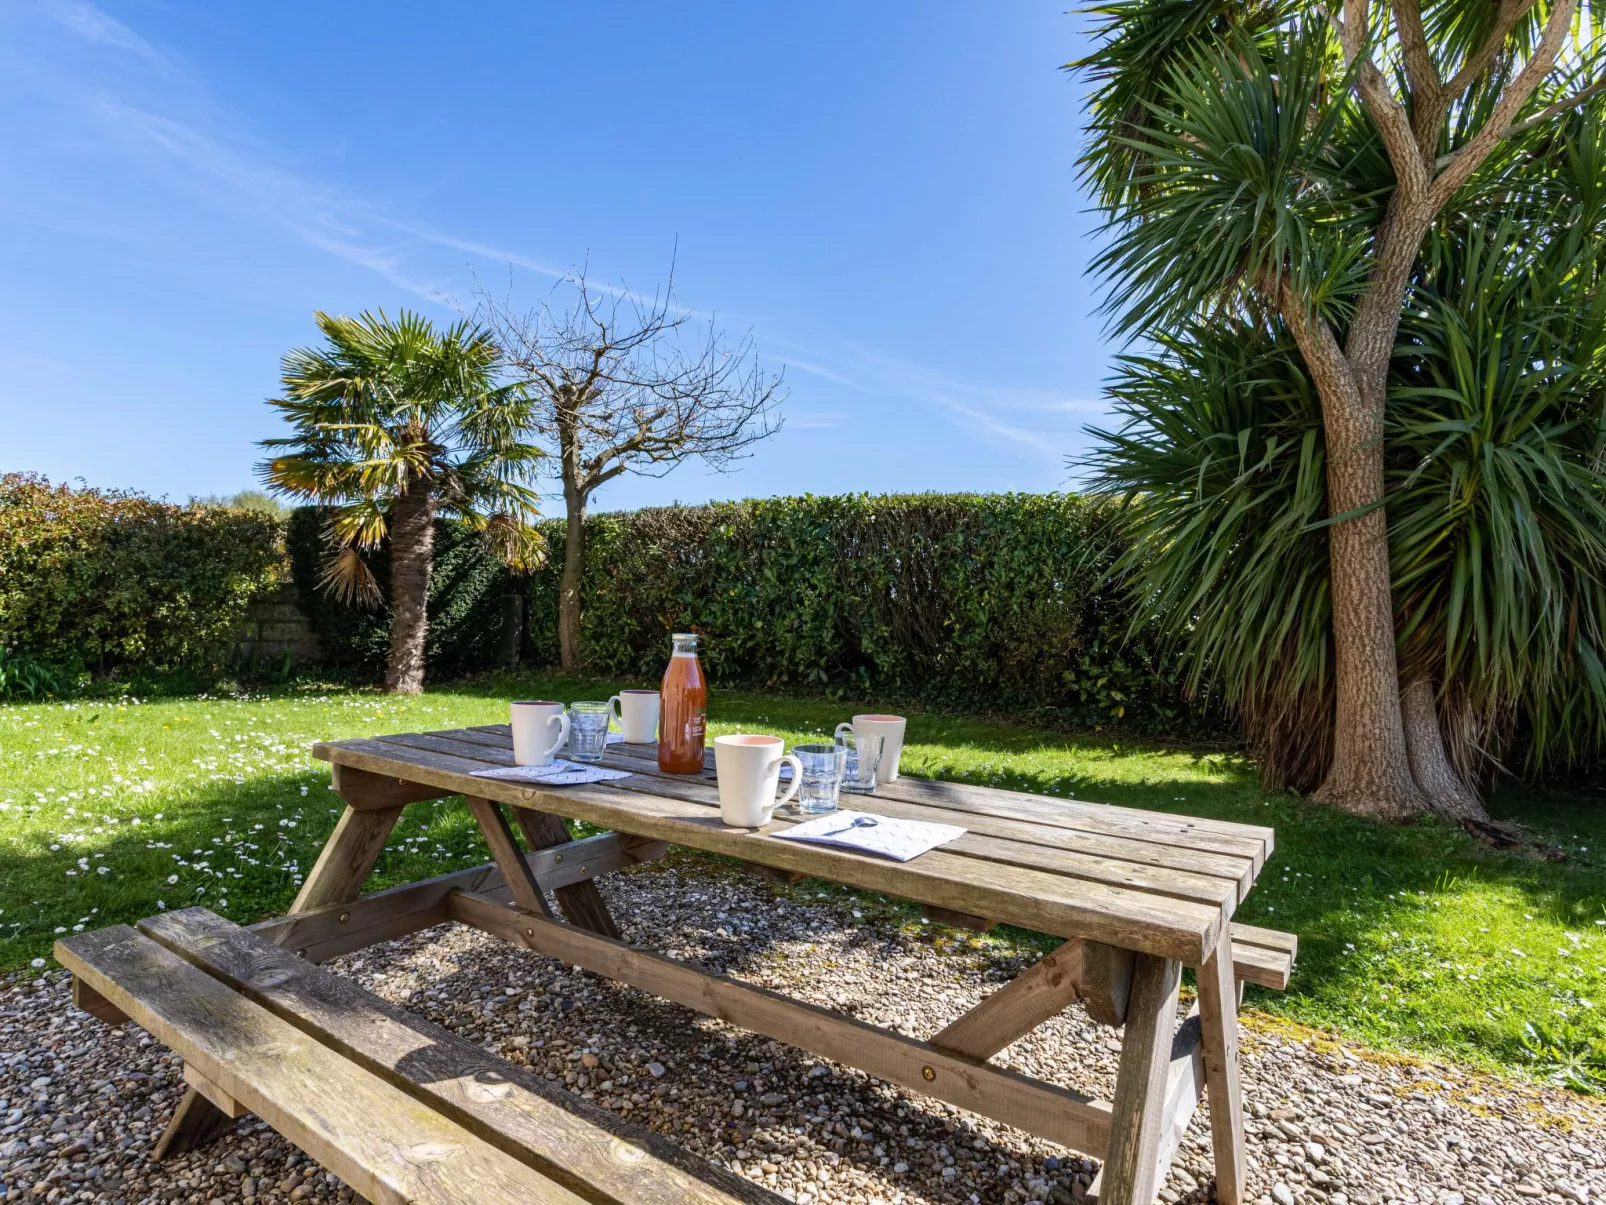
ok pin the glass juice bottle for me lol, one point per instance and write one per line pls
(683, 709)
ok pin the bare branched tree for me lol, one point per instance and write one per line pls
(622, 383)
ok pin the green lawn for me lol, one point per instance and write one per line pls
(1412, 938)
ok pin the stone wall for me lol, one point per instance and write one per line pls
(274, 626)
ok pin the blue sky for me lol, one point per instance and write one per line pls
(883, 194)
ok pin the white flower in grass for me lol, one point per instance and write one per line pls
(172, 878)
(37, 962)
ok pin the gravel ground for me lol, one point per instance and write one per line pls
(81, 1105)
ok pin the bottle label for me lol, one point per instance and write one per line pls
(696, 725)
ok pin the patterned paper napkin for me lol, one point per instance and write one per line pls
(865, 833)
(557, 774)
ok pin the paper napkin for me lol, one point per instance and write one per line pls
(557, 774)
(866, 833)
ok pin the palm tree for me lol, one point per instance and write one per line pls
(396, 422)
(1290, 189)
(1496, 425)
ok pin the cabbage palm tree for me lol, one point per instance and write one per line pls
(1285, 184)
(395, 422)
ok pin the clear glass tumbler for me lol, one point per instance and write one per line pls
(864, 755)
(823, 767)
(588, 730)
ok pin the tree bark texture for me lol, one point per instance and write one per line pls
(412, 556)
(574, 542)
(1371, 770)
(569, 585)
(1448, 793)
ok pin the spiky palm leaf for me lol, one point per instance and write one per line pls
(387, 406)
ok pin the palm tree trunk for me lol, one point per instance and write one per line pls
(412, 556)
(1448, 793)
(573, 579)
(1371, 770)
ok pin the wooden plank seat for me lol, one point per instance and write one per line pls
(398, 1108)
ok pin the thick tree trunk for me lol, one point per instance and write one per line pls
(412, 556)
(1371, 771)
(1448, 793)
(569, 585)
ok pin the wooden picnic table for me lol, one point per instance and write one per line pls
(1136, 896)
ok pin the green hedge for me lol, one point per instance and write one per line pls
(993, 601)
(104, 581)
(465, 601)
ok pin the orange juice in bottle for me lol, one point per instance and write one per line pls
(682, 710)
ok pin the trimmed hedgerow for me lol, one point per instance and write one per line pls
(100, 580)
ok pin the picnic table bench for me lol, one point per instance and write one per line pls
(1135, 895)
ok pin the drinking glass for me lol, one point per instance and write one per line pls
(588, 730)
(823, 766)
(864, 755)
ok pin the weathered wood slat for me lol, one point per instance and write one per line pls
(385, 1144)
(960, 920)
(1030, 898)
(1218, 1013)
(1201, 889)
(1261, 964)
(1139, 1123)
(585, 1148)
(1185, 1084)
(581, 902)
(1044, 1109)
(336, 929)
(1042, 990)
(96, 1005)
(196, 1121)
(1149, 838)
(1105, 982)
(377, 792)
(516, 876)
(1252, 840)
(346, 858)
(226, 1104)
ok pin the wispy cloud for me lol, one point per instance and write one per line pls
(189, 128)
(96, 25)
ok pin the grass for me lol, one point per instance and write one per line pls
(1412, 938)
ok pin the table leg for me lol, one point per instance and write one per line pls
(347, 857)
(1043, 990)
(582, 903)
(1218, 1016)
(516, 873)
(1138, 1120)
(196, 1122)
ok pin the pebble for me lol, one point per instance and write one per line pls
(1327, 1123)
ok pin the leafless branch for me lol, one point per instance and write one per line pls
(629, 383)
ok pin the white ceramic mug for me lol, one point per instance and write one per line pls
(890, 729)
(749, 769)
(637, 713)
(533, 723)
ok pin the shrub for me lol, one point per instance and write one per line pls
(466, 589)
(107, 580)
(992, 601)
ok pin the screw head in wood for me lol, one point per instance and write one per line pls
(928, 1074)
(557, 859)
(344, 917)
(582, 869)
